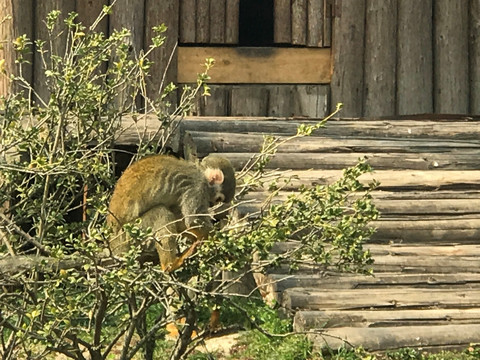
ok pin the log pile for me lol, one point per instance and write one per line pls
(425, 289)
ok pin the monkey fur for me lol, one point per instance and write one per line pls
(171, 196)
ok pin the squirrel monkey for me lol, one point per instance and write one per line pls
(169, 195)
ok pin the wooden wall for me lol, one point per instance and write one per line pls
(396, 57)
(390, 57)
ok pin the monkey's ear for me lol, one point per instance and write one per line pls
(214, 176)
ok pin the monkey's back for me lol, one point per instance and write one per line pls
(152, 181)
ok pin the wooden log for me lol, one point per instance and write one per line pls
(379, 161)
(380, 57)
(217, 21)
(348, 55)
(165, 58)
(253, 98)
(281, 282)
(463, 130)
(257, 65)
(89, 11)
(315, 23)
(451, 84)
(299, 22)
(474, 56)
(308, 320)
(21, 22)
(424, 337)
(248, 101)
(415, 56)
(59, 42)
(187, 21)
(404, 298)
(202, 23)
(282, 22)
(231, 21)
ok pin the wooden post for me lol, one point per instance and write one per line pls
(380, 57)
(415, 56)
(164, 58)
(474, 56)
(348, 55)
(21, 23)
(451, 85)
(42, 9)
(282, 22)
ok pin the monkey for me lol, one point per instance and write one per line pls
(171, 196)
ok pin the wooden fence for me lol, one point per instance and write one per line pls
(384, 57)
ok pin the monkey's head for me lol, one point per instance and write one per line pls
(225, 182)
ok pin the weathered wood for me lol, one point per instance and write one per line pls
(216, 104)
(404, 298)
(253, 65)
(310, 101)
(248, 101)
(307, 320)
(280, 100)
(88, 11)
(202, 23)
(315, 19)
(464, 130)
(165, 58)
(327, 24)
(425, 337)
(348, 54)
(451, 85)
(380, 57)
(474, 56)
(414, 57)
(217, 21)
(59, 42)
(379, 161)
(187, 21)
(299, 22)
(279, 283)
(282, 22)
(230, 143)
(231, 21)
(21, 22)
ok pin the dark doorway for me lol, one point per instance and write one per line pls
(256, 23)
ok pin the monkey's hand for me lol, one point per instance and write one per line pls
(178, 262)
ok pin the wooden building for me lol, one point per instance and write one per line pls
(295, 57)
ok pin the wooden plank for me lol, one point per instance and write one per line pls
(231, 22)
(88, 11)
(165, 58)
(217, 21)
(187, 22)
(231, 142)
(393, 298)
(462, 130)
(308, 320)
(256, 65)
(248, 101)
(299, 22)
(415, 57)
(474, 56)
(315, 22)
(348, 54)
(310, 101)
(217, 103)
(327, 23)
(202, 23)
(379, 161)
(42, 9)
(451, 84)
(380, 57)
(280, 100)
(282, 22)
(21, 23)
(424, 337)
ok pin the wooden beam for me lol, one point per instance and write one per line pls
(247, 65)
